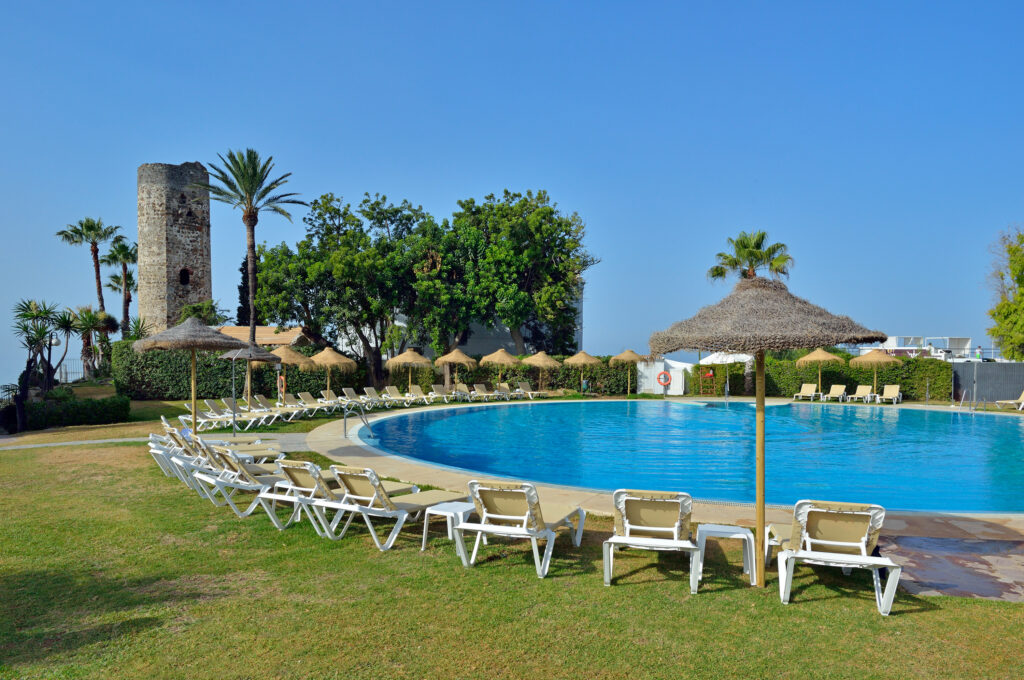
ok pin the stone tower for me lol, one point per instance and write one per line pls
(174, 241)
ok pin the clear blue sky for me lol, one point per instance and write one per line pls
(882, 143)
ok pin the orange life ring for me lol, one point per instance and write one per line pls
(664, 378)
(280, 384)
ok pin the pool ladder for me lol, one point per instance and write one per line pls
(361, 413)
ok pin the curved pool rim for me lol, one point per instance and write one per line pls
(355, 434)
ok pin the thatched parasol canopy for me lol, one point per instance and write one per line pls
(541, 360)
(627, 357)
(456, 358)
(408, 358)
(502, 359)
(818, 357)
(760, 315)
(290, 357)
(582, 359)
(191, 334)
(331, 360)
(874, 358)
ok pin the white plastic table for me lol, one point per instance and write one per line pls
(455, 509)
(728, 531)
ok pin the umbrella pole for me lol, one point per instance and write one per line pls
(195, 413)
(759, 484)
(234, 426)
(410, 377)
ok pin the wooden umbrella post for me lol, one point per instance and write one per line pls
(759, 483)
(195, 413)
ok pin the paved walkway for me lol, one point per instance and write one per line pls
(943, 554)
(289, 441)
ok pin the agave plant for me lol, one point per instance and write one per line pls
(139, 328)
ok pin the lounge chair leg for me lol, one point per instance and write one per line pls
(702, 541)
(542, 569)
(891, 584)
(460, 548)
(581, 518)
(609, 556)
(393, 536)
(476, 547)
(786, 566)
(696, 565)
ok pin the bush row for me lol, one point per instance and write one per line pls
(918, 378)
(64, 412)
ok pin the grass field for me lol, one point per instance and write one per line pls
(109, 569)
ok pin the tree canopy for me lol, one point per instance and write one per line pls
(388, 274)
(1008, 281)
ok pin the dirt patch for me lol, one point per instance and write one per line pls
(111, 457)
(205, 586)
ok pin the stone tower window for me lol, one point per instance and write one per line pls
(183, 276)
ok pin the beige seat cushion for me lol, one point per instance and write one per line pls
(416, 502)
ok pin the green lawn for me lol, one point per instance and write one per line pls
(108, 569)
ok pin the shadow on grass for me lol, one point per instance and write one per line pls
(811, 582)
(44, 612)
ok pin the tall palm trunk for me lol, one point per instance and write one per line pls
(250, 221)
(126, 300)
(94, 247)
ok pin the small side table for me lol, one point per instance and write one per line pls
(460, 510)
(728, 531)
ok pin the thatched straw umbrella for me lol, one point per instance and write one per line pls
(502, 359)
(819, 357)
(582, 359)
(760, 315)
(456, 358)
(191, 334)
(628, 357)
(543, 361)
(249, 353)
(290, 357)
(409, 358)
(874, 358)
(331, 360)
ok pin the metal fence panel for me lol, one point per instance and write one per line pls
(987, 381)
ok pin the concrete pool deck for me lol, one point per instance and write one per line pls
(967, 555)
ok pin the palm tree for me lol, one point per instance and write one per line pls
(244, 183)
(89, 323)
(122, 253)
(749, 254)
(93, 232)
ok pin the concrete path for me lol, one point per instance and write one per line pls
(942, 554)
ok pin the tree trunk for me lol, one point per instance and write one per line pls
(126, 300)
(250, 256)
(21, 398)
(517, 337)
(95, 250)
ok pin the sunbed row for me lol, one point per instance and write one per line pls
(224, 472)
(262, 412)
(890, 393)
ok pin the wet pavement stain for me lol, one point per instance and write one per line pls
(961, 567)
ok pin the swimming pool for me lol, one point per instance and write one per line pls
(900, 458)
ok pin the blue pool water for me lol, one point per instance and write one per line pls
(900, 458)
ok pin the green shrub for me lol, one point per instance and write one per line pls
(916, 377)
(64, 412)
(165, 374)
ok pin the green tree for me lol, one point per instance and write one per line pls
(93, 232)
(206, 311)
(751, 254)
(89, 324)
(1007, 279)
(244, 183)
(534, 261)
(122, 253)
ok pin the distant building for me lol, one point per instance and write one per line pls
(174, 241)
(268, 336)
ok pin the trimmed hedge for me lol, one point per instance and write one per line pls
(164, 374)
(64, 412)
(604, 379)
(917, 378)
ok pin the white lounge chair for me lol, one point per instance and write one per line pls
(864, 393)
(439, 392)
(652, 520)
(890, 393)
(416, 394)
(836, 535)
(374, 398)
(288, 413)
(310, 402)
(837, 392)
(463, 393)
(514, 510)
(525, 389)
(351, 395)
(807, 390)
(1017, 403)
(396, 398)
